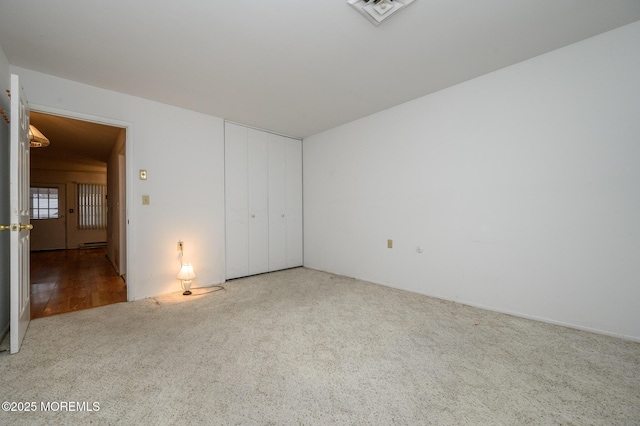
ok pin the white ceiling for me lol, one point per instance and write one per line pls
(73, 140)
(292, 66)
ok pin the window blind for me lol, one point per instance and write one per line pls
(92, 206)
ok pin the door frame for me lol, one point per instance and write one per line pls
(130, 206)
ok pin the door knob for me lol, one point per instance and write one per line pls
(253, 215)
(16, 227)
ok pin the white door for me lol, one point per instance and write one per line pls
(258, 191)
(19, 206)
(236, 201)
(263, 201)
(277, 204)
(48, 206)
(293, 211)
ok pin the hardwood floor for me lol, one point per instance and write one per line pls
(70, 280)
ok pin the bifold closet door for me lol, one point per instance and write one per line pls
(293, 211)
(258, 194)
(285, 203)
(277, 203)
(236, 201)
(263, 201)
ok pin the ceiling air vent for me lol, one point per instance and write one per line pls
(377, 11)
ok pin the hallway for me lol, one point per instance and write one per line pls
(70, 280)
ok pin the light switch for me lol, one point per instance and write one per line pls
(145, 200)
(143, 175)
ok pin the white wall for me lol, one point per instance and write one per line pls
(183, 152)
(522, 187)
(5, 83)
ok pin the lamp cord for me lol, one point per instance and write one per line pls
(217, 287)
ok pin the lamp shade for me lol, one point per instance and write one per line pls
(36, 138)
(186, 272)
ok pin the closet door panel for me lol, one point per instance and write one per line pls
(277, 203)
(236, 201)
(258, 191)
(293, 214)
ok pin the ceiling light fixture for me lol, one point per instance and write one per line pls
(377, 11)
(37, 139)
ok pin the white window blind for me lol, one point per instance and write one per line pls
(92, 206)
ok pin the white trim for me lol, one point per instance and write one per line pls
(79, 116)
(527, 316)
(547, 320)
(129, 154)
(501, 311)
(223, 277)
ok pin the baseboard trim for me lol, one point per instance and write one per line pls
(529, 317)
(503, 311)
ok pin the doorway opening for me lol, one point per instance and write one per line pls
(78, 212)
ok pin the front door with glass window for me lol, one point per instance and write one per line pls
(47, 217)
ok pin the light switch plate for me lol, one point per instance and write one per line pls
(389, 243)
(145, 200)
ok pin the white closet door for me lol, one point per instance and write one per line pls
(277, 203)
(293, 213)
(258, 186)
(236, 201)
(263, 199)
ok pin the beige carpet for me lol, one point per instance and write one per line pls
(306, 347)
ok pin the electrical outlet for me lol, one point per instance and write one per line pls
(180, 246)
